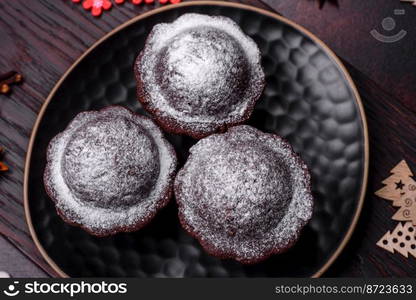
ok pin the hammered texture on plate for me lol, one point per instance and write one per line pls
(307, 100)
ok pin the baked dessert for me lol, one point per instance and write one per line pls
(109, 171)
(199, 75)
(244, 194)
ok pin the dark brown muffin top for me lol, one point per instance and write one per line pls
(244, 194)
(198, 74)
(109, 170)
(110, 161)
(203, 73)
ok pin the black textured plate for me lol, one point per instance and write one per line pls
(309, 99)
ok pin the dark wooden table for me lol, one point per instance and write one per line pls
(42, 38)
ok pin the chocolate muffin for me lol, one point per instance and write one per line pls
(244, 194)
(109, 171)
(198, 75)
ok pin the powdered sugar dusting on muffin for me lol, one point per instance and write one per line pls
(109, 171)
(203, 75)
(200, 73)
(244, 194)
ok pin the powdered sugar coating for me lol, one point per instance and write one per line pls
(109, 171)
(196, 80)
(110, 162)
(199, 74)
(244, 194)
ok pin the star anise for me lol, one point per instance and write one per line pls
(7, 79)
(413, 2)
(3, 167)
(322, 3)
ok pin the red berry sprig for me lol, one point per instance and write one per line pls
(136, 2)
(98, 6)
(95, 6)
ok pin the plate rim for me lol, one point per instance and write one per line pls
(147, 14)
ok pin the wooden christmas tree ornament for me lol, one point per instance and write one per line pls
(397, 184)
(400, 188)
(402, 240)
(407, 211)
